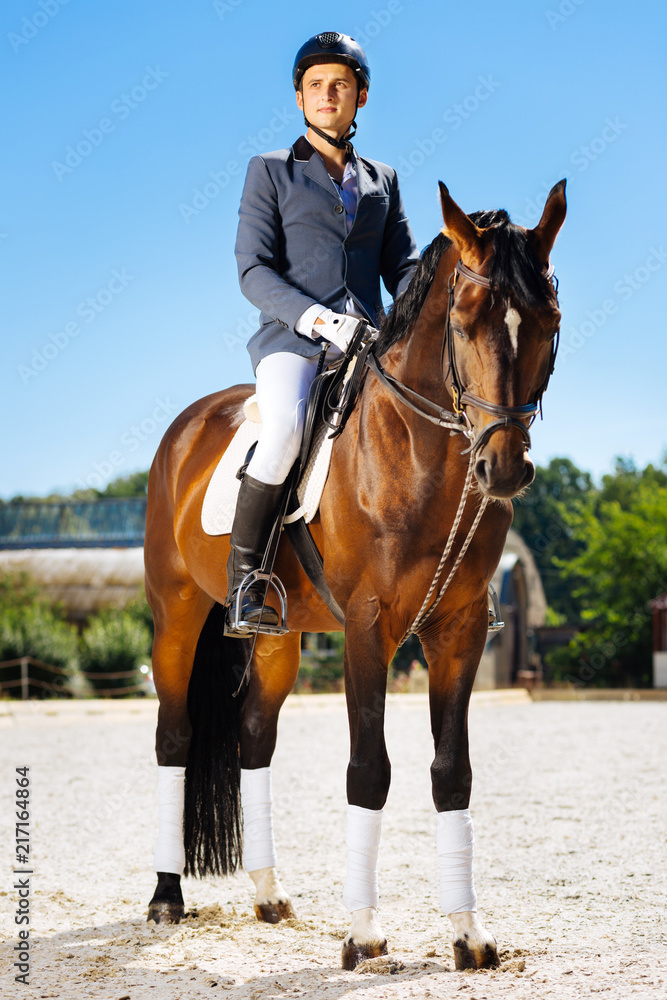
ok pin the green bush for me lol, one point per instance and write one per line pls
(115, 640)
(29, 626)
(322, 670)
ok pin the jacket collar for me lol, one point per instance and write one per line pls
(302, 150)
(314, 167)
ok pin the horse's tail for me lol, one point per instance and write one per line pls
(212, 825)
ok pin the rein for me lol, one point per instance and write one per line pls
(425, 612)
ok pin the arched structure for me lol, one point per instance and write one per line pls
(509, 658)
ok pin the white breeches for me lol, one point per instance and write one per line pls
(283, 381)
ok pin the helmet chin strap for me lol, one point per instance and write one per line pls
(343, 143)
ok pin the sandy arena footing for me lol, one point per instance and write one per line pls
(570, 810)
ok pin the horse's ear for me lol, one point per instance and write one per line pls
(460, 229)
(543, 236)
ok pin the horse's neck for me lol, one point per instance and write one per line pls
(417, 359)
(426, 450)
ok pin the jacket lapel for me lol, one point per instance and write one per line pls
(312, 165)
(363, 178)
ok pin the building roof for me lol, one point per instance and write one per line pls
(83, 580)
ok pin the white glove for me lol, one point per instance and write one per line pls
(337, 327)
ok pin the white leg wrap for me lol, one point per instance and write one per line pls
(363, 843)
(454, 844)
(169, 850)
(258, 848)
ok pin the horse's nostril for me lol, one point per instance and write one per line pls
(482, 471)
(529, 474)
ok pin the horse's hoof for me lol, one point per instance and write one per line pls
(166, 906)
(272, 904)
(354, 953)
(474, 947)
(273, 913)
(467, 957)
(164, 912)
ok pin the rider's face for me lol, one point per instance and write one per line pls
(328, 96)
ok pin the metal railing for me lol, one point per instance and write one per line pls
(31, 524)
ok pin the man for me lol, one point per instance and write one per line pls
(318, 227)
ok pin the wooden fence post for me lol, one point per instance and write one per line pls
(25, 687)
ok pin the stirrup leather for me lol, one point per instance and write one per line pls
(495, 621)
(235, 625)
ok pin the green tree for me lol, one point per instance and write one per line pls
(622, 485)
(134, 485)
(621, 566)
(539, 519)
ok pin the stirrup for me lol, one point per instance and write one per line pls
(495, 621)
(237, 626)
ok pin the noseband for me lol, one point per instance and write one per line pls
(505, 416)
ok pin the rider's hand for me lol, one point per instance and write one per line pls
(336, 327)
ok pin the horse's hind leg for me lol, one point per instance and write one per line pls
(453, 656)
(274, 670)
(177, 631)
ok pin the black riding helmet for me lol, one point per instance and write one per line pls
(333, 47)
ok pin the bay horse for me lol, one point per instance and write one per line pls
(411, 528)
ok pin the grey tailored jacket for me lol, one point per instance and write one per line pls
(293, 247)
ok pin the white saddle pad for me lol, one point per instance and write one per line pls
(219, 504)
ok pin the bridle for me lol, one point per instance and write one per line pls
(505, 416)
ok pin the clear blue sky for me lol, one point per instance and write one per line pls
(120, 303)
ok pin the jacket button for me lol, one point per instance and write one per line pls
(338, 209)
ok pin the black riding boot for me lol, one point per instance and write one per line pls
(255, 515)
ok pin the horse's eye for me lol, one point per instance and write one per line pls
(460, 333)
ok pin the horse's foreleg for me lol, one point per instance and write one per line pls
(368, 779)
(274, 670)
(453, 656)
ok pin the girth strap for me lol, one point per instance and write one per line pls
(311, 562)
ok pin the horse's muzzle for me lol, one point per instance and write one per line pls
(501, 475)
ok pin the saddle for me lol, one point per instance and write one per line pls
(332, 397)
